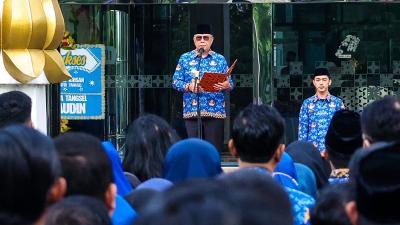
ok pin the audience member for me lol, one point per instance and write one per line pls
(329, 208)
(146, 191)
(306, 180)
(78, 210)
(190, 159)
(200, 202)
(147, 142)
(88, 171)
(307, 154)
(123, 185)
(380, 120)
(30, 175)
(285, 172)
(257, 142)
(343, 138)
(259, 199)
(375, 172)
(15, 108)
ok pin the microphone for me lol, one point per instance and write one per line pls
(200, 52)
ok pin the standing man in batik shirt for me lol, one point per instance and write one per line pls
(317, 111)
(212, 104)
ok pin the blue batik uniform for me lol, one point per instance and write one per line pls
(315, 117)
(339, 176)
(212, 104)
(301, 202)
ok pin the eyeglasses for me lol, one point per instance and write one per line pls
(204, 37)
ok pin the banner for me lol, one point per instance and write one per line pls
(82, 97)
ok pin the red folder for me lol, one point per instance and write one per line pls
(209, 79)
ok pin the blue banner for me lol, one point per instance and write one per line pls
(82, 97)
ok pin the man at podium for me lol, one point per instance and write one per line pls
(190, 69)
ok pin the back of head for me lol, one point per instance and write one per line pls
(259, 198)
(85, 165)
(343, 137)
(307, 154)
(257, 132)
(191, 158)
(15, 108)
(330, 206)
(380, 120)
(78, 210)
(147, 142)
(376, 174)
(200, 202)
(29, 166)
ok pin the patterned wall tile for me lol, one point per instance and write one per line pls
(282, 81)
(243, 80)
(308, 92)
(347, 95)
(283, 94)
(296, 94)
(321, 64)
(396, 67)
(373, 67)
(377, 92)
(373, 80)
(336, 91)
(360, 80)
(347, 67)
(296, 81)
(360, 98)
(296, 68)
(337, 81)
(396, 82)
(307, 81)
(386, 80)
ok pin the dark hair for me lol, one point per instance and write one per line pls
(380, 120)
(29, 166)
(78, 210)
(329, 208)
(188, 203)
(258, 197)
(375, 171)
(85, 164)
(147, 142)
(343, 137)
(257, 132)
(321, 72)
(15, 107)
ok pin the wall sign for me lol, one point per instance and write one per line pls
(82, 97)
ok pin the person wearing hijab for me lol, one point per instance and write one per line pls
(123, 186)
(191, 158)
(307, 154)
(285, 172)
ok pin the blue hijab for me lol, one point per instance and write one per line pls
(157, 184)
(120, 180)
(285, 172)
(191, 158)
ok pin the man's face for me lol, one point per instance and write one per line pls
(203, 41)
(322, 83)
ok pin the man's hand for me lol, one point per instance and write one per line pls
(222, 86)
(192, 87)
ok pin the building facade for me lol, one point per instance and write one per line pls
(278, 45)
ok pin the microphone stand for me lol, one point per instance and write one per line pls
(196, 87)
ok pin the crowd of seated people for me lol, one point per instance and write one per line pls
(76, 179)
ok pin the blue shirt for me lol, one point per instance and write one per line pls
(315, 117)
(212, 104)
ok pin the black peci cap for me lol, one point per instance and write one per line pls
(203, 29)
(344, 134)
(320, 72)
(376, 174)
